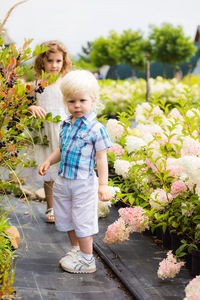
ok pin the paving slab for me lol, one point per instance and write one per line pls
(38, 275)
(136, 262)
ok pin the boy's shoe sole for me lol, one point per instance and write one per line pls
(78, 271)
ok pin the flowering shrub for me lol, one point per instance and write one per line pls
(192, 290)
(159, 165)
(16, 124)
(118, 95)
(169, 267)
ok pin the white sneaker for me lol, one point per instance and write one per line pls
(70, 255)
(79, 265)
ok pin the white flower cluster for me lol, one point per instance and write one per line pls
(114, 129)
(159, 199)
(191, 166)
(134, 143)
(190, 146)
(113, 190)
(187, 209)
(122, 167)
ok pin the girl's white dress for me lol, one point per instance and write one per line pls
(51, 100)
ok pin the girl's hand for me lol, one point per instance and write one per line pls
(103, 193)
(44, 167)
(37, 111)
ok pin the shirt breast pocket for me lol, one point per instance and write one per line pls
(85, 146)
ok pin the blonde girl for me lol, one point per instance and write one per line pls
(55, 61)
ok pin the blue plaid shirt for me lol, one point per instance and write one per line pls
(79, 144)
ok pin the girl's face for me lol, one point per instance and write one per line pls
(80, 104)
(53, 63)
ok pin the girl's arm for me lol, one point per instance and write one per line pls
(51, 160)
(37, 111)
(102, 169)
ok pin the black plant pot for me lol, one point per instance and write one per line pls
(166, 238)
(195, 262)
(188, 261)
(159, 233)
(175, 241)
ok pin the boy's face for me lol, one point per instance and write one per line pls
(53, 63)
(80, 104)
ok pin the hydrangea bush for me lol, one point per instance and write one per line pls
(157, 165)
(117, 95)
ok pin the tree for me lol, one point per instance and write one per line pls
(85, 55)
(169, 45)
(132, 48)
(105, 50)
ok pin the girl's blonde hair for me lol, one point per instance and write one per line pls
(53, 47)
(79, 81)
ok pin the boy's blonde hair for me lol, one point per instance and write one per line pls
(79, 81)
(53, 47)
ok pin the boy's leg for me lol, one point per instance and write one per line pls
(73, 252)
(73, 238)
(86, 244)
(48, 189)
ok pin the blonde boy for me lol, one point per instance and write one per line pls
(83, 141)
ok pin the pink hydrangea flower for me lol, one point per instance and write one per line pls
(175, 114)
(177, 188)
(192, 290)
(117, 232)
(190, 146)
(159, 199)
(116, 149)
(134, 217)
(175, 170)
(169, 267)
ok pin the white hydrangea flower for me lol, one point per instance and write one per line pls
(114, 129)
(159, 199)
(113, 190)
(191, 113)
(140, 111)
(187, 209)
(190, 146)
(122, 167)
(191, 165)
(134, 143)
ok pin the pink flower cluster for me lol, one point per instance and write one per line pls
(169, 267)
(177, 188)
(131, 219)
(192, 290)
(117, 232)
(175, 114)
(135, 218)
(117, 149)
(175, 170)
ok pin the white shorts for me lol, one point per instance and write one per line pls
(75, 203)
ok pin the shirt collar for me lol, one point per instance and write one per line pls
(86, 118)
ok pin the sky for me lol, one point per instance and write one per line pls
(74, 22)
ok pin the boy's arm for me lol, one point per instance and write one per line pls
(51, 160)
(102, 169)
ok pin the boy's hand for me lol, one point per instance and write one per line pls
(37, 111)
(103, 193)
(44, 167)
